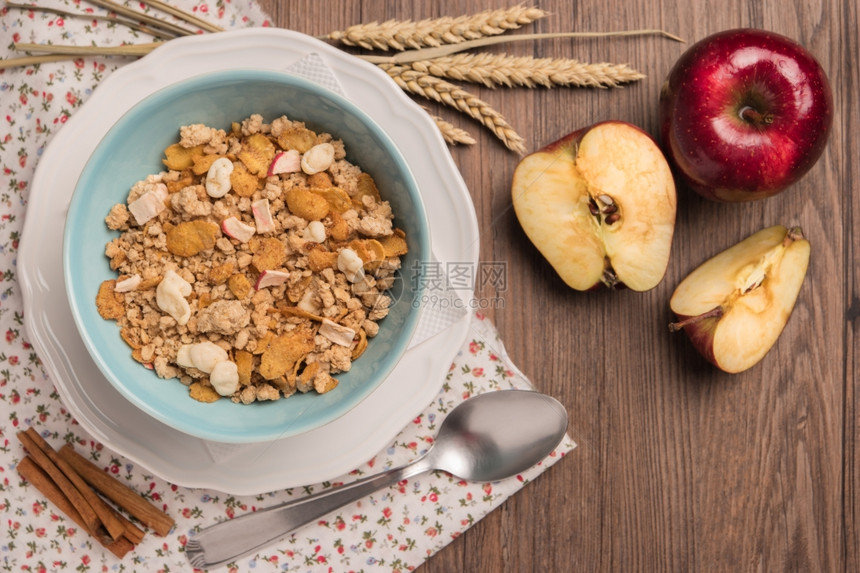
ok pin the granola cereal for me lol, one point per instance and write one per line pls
(253, 267)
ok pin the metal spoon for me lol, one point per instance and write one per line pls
(486, 438)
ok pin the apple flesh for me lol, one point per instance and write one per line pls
(744, 114)
(599, 204)
(736, 304)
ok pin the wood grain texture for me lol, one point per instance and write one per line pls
(680, 467)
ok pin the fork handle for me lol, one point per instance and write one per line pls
(229, 540)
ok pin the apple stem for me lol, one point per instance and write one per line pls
(609, 278)
(715, 312)
(754, 116)
(794, 234)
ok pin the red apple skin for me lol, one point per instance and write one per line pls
(701, 335)
(573, 138)
(744, 114)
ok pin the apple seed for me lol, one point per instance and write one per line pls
(608, 208)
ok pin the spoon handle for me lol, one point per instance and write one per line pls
(228, 540)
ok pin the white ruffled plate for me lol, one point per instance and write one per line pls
(308, 458)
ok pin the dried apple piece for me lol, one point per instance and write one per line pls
(286, 162)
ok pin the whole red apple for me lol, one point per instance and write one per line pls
(744, 114)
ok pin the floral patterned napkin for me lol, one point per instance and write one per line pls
(394, 530)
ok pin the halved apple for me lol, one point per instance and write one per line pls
(736, 304)
(599, 204)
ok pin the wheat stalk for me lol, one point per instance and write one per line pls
(452, 134)
(432, 44)
(32, 60)
(154, 22)
(129, 50)
(110, 18)
(493, 70)
(405, 34)
(444, 92)
(407, 57)
(183, 15)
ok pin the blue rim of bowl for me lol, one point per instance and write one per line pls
(401, 343)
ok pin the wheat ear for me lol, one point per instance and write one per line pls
(452, 134)
(493, 70)
(437, 89)
(405, 34)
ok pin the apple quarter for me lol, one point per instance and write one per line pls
(735, 305)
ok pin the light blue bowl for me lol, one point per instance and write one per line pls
(133, 148)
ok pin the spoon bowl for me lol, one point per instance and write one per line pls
(489, 437)
(498, 434)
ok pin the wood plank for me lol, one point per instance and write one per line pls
(680, 467)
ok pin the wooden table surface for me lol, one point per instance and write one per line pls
(679, 467)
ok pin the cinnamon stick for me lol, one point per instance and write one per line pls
(126, 498)
(132, 532)
(106, 514)
(69, 490)
(38, 478)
